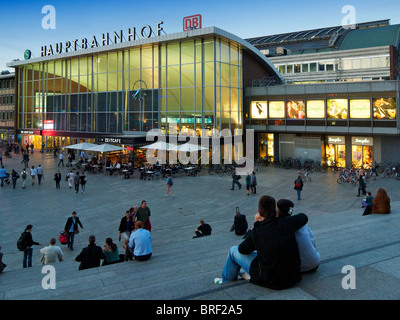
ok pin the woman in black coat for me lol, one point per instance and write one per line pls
(57, 179)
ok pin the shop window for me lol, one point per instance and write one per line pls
(337, 108)
(295, 109)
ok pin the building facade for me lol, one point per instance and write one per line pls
(7, 106)
(188, 83)
(341, 98)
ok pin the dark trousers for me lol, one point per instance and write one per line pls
(77, 187)
(40, 176)
(253, 188)
(71, 236)
(27, 257)
(368, 210)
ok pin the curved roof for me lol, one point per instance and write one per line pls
(203, 32)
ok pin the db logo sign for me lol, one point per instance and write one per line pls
(192, 22)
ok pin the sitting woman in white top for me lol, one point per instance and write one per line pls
(309, 256)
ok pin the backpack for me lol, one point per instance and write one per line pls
(24, 175)
(297, 184)
(21, 243)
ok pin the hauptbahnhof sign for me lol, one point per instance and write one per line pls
(106, 39)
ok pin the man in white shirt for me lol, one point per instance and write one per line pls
(309, 256)
(52, 253)
(61, 159)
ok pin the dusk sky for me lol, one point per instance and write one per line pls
(21, 21)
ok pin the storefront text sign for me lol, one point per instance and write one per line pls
(362, 141)
(336, 140)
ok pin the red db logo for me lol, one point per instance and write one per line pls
(192, 22)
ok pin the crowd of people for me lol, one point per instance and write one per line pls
(274, 253)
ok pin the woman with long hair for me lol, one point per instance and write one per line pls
(381, 201)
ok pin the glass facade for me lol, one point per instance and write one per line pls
(187, 85)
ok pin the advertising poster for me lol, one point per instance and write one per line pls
(384, 108)
(360, 109)
(295, 109)
(276, 109)
(337, 108)
(259, 110)
(315, 109)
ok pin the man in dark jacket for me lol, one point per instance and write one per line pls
(71, 228)
(269, 254)
(91, 255)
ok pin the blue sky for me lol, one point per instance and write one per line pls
(21, 21)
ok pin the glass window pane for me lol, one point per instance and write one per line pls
(304, 67)
(147, 57)
(365, 63)
(173, 100)
(112, 62)
(321, 67)
(199, 74)
(134, 59)
(209, 50)
(282, 69)
(147, 77)
(187, 75)
(173, 76)
(209, 74)
(313, 67)
(297, 68)
(209, 99)
(225, 49)
(234, 76)
(187, 52)
(356, 64)
(173, 53)
(225, 75)
(101, 63)
(234, 54)
(289, 68)
(198, 49)
(187, 99)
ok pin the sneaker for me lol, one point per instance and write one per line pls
(218, 280)
(244, 275)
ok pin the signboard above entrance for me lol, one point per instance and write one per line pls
(106, 39)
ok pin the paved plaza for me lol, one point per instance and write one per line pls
(183, 268)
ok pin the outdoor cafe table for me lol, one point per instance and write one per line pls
(188, 170)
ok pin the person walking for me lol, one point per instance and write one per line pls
(70, 178)
(298, 186)
(253, 183)
(90, 256)
(29, 243)
(52, 253)
(71, 229)
(361, 185)
(14, 177)
(76, 182)
(248, 183)
(82, 181)
(57, 179)
(61, 159)
(3, 175)
(169, 184)
(24, 175)
(33, 174)
(39, 170)
(235, 180)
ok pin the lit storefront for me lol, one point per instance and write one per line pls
(335, 151)
(343, 124)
